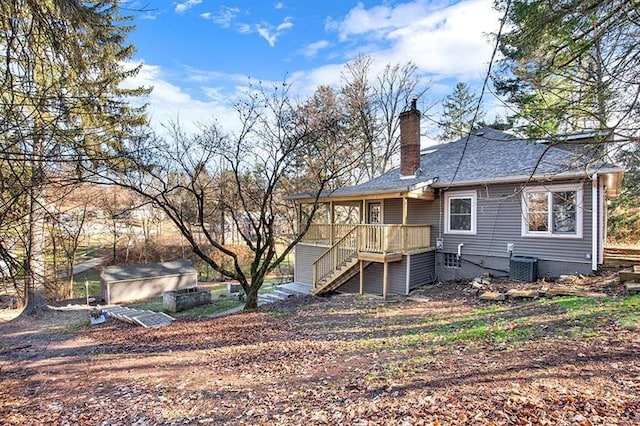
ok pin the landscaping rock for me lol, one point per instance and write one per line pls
(522, 294)
(632, 287)
(477, 285)
(472, 291)
(562, 291)
(567, 278)
(566, 291)
(632, 274)
(493, 295)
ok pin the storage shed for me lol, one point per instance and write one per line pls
(134, 282)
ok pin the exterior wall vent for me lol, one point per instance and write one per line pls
(523, 268)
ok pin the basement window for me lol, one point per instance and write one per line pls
(451, 260)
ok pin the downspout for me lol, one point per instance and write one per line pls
(594, 222)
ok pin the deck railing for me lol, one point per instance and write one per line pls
(373, 238)
(327, 234)
(394, 238)
(383, 239)
(339, 254)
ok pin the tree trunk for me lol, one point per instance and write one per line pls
(35, 262)
(35, 304)
(251, 301)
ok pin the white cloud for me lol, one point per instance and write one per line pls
(278, 5)
(380, 19)
(441, 39)
(287, 24)
(450, 42)
(183, 7)
(267, 35)
(170, 103)
(224, 16)
(271, 34)
(244, 28)
(312, 49)
(304, 83)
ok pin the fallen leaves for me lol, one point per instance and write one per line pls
(342, 360)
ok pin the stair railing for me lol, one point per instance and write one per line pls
(336, 256)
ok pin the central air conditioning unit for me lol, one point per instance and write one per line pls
(523, 268)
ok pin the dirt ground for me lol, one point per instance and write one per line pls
(342, 359)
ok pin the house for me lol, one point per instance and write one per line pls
(487, 203)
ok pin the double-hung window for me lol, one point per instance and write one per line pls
(552, 211)
(460, 212)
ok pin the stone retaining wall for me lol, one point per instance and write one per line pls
(179, 300)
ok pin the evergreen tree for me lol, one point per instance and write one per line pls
(572, 65)
(461, 113)
(62, 99)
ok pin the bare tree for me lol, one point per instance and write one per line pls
(372, 106)
(192, 177)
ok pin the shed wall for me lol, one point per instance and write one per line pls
(144, 288)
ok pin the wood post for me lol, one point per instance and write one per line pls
(405, 220)
(361, 277)
(385, 280)
(332, 228)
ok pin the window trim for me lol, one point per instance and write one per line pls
(457, 195)
(549, 190)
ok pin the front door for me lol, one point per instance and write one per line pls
(375, 213)
(373, 237)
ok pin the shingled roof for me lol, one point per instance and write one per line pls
(486, 156)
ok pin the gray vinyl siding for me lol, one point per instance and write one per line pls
(499, 221)
(422, 212)
(499, 267)
(373, 275)
(392, 211)
(419, 212)
(305, 256)
(422, 269)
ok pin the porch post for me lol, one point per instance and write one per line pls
(361, 277)
(405, 220)
(405, 210)
(332, 228)
(385, 279)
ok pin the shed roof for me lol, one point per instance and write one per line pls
(149, 270)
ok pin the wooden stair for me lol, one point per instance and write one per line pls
(339, 277)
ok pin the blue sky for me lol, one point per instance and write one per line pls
(199, 54)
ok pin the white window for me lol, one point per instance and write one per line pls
(460, 212)
(552, 211)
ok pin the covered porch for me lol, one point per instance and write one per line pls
(349, 235)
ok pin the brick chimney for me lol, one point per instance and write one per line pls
(410, 141)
